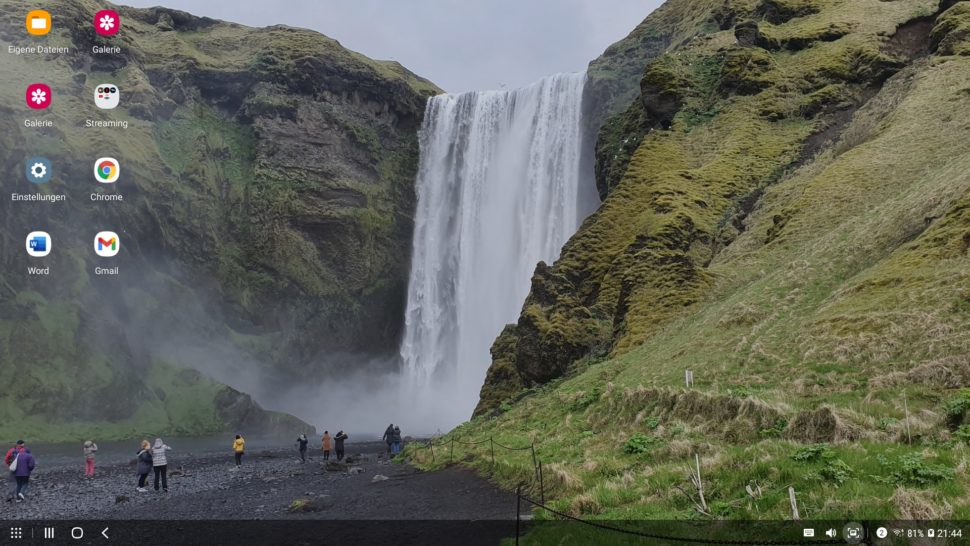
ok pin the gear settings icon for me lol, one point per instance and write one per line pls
(39, 170)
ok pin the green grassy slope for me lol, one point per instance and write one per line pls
(805, 258)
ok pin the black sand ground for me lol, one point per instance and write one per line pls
(406, 508)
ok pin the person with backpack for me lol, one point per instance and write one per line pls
(239, 449)
(21, 464)
(339, 441)
(89, 449)
(396, 441)
(302, 442)
(160, 464)
(144, 465)
(8, 460)
(325, 445)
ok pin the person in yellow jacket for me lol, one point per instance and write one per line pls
(326, 445)
(239, 447)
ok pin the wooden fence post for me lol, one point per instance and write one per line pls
(491, 445)
(794, 504)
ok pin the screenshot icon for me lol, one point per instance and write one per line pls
(107, 244)
(107, 22)
(39, 170)
(38, 244)
(107, 170)
(38, 22)
(106, 96)
(38, 96)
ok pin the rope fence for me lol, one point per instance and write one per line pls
(541, 503)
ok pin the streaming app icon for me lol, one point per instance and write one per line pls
(38, 22)
(38, 244)
(107, 22)
(39, 170)
(107, 170)
(38, 96)
(107, 244)
(106, 96)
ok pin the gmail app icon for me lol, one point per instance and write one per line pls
(38, 22)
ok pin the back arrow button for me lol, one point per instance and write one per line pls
(105, 534)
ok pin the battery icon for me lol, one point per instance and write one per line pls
(930, 533)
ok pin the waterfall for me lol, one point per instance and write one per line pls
(498, 189)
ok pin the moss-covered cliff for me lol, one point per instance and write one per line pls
(267, 177)
(791, 226)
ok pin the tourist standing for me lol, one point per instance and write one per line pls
(144, 465)
(239, 448)
(326, 441)
(302, 442)
(388, 438)
(89, 449)
(339, 441)
(160, 463)
(396, 444)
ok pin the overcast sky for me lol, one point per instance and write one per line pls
(461, 45)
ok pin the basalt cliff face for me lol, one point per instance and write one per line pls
(267, 180)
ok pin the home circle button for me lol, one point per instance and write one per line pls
(77, 533)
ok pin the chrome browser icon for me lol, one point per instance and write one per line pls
(107, 170)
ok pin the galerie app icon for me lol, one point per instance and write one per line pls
(38, 243)
(107, 244)
(107, 170)
(38, 22)
(38, 96)
(107, 22)
(39, 170)
(106, 96)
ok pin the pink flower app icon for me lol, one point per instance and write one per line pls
(107, 22)
(38, 96)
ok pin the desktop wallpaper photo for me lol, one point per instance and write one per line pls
(569, 272)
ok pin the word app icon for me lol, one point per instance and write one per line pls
(38, 96)
(107, 22)
(39, 170)
(107, 244)
(38, 22)
(107, 170)
(38, 244)
(106, 96)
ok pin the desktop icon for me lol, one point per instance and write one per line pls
(39, 170)
(106, 96)
(38, 96)
(38, 22)
(38, 244)
(107, 244)
(107, 170)
(107, 22)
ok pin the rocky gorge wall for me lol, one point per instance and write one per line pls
(266, 218)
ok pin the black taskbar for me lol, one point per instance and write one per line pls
(484, 532)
